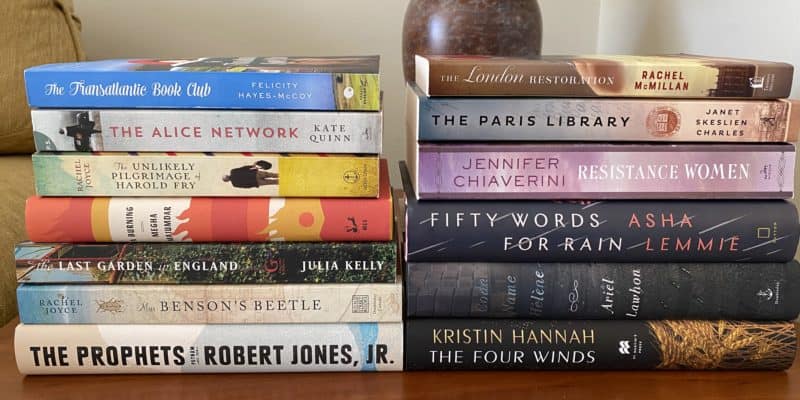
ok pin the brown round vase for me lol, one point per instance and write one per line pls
(470, 27)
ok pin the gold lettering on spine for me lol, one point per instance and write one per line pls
(466, 336)
(588, 336)
(552, 336)
(497, 337)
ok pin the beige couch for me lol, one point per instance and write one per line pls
(32, 32)
(16, 179)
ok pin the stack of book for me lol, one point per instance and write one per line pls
(151, 254)
(666, 241)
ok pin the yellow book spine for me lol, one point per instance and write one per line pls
(205, 174)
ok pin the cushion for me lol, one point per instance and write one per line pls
(16, 179)
(33, 32)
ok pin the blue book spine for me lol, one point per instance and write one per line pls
(165, 89)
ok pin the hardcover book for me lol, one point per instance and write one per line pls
(668, 76)
(752, 291)
(602, 171)
(599, 231)
(209, 304)
(209, 263)
(205, 174)
(441, 119)
(211, 219)
(507, 344)
(207, 130)
(160, 349)
(270, 83)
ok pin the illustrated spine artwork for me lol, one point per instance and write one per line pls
(207, 130)
(212, 304)
(675, 76)
(156, 349)
(207, 219)
(271, 83)
(211, 263)
(205, 174)
(480, 344)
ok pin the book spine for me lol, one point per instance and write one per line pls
(602, 231)
(480, 344)
(209, 304)
(207, 130)
(208, 219)
(217, 90)
(211, 219)
(538, 119)
(607, 76)
(198, 174)
(589, 171)
(603, 291)
(210, 263)
(160, 349)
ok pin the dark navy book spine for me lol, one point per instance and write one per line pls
(513, 344)
(600, 231)
(750, 291)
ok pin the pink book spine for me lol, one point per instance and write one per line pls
(603, 171)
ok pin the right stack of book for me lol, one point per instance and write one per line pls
(664, 240)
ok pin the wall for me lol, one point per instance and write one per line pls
(186, 28)
(766, 29)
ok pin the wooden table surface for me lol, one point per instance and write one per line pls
(409, 385)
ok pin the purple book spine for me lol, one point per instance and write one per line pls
(587, 171)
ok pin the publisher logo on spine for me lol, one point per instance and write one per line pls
(770, 294)
(625, 347)
(663, 122)
(757, 82)
(351, 176)
(630, 348)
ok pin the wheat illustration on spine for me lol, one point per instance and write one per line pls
(723, 344)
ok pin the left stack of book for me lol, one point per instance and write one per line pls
(208, 215)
